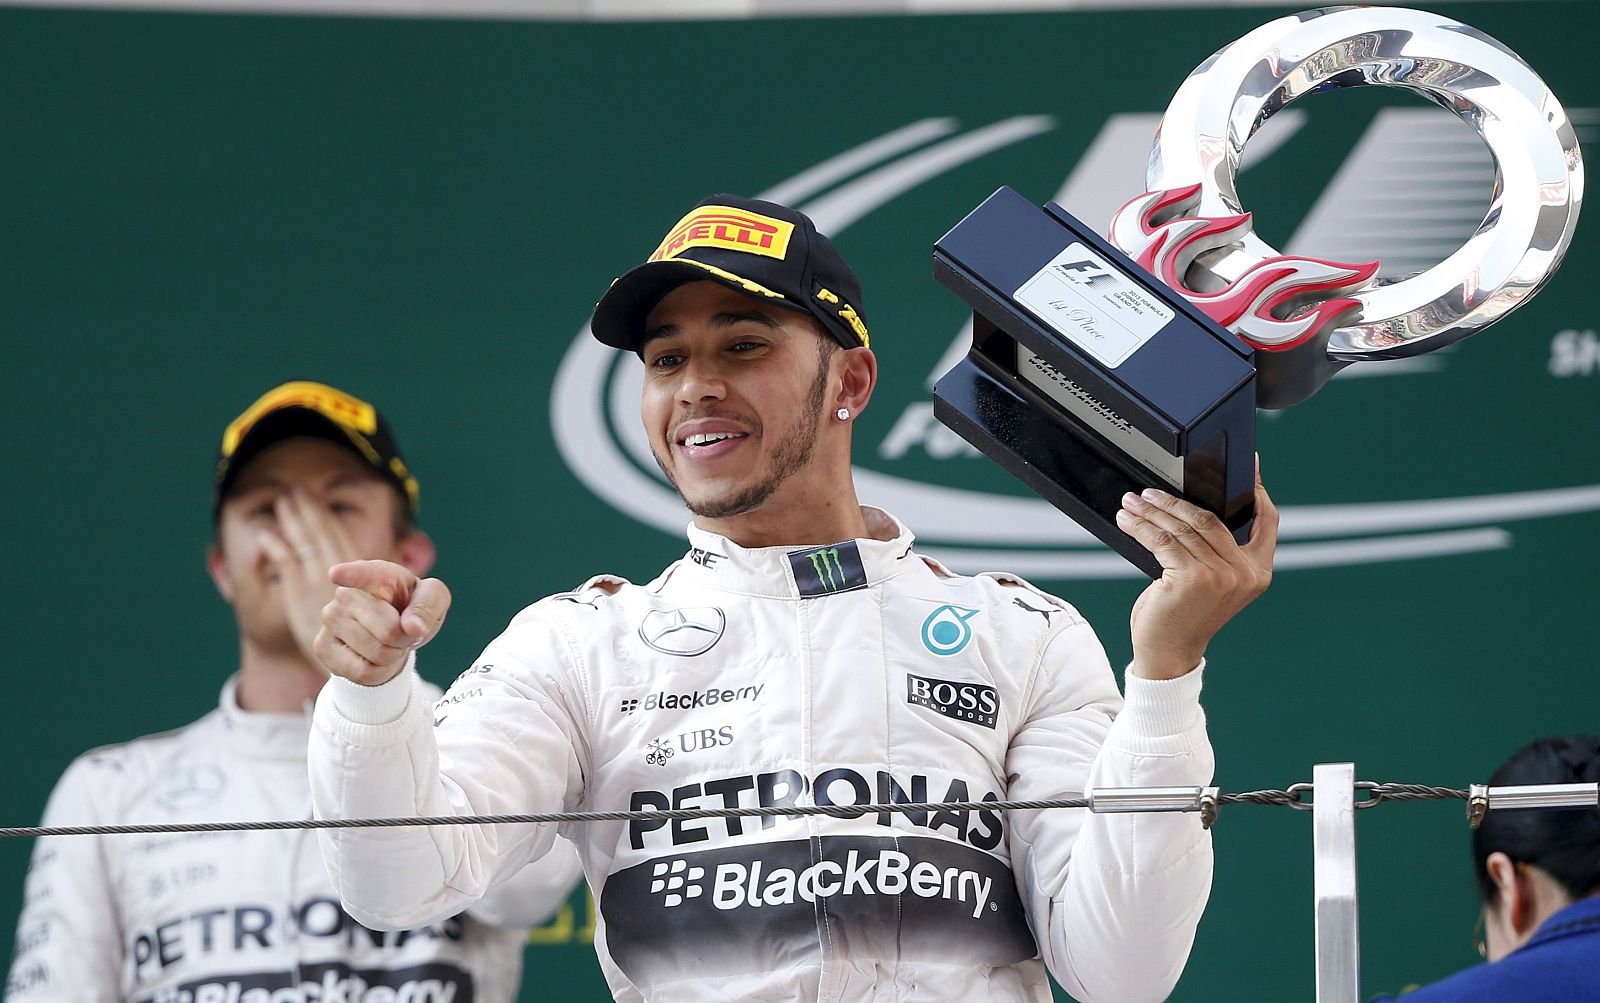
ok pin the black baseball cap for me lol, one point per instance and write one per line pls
(304, 408)
(762, 249)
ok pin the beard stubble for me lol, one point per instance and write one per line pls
(789, 458)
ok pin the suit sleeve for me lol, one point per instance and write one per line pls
(69, 936)
(506, 738)
(1114, 899)
(532, 895)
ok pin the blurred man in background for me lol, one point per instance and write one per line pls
(1538, 872)
(307, 477)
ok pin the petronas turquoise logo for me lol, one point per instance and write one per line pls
(946, 630)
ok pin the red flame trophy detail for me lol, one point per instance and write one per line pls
(1099, 368)
(1156, 231)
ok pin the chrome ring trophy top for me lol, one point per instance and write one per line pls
(1533, 211)
(1086, 379)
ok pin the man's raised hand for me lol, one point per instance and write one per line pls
(310, 540)
(380, 612)
(1206, 576)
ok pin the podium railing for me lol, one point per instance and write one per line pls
(1334, 804)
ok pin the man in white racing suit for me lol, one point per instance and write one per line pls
(308, 477)
(801, 653)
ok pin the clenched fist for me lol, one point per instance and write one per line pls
(380, 613)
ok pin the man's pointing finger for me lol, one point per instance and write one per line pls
(381, 579)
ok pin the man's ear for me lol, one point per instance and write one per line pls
(858, 375)
(219, 573)
(416, 553)
(1515, 897)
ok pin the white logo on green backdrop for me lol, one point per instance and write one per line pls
(1408, 218)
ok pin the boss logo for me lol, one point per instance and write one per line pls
(971, 702)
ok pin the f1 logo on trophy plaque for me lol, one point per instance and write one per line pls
(1101, 367)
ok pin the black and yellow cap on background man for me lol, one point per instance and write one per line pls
(762, 249)
(312, 409)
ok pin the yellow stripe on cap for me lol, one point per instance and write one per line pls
(398, 467)
(350, 413)
(748, 285)
(847, 313)
(729, 229)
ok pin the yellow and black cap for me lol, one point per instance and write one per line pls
(304, 408)
(762, 249)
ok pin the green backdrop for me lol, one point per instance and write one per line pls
(194, 208)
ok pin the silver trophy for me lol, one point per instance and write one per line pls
(1088, 378)
(1307, 319)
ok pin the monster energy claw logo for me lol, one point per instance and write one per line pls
(827, 570)
(825, 563)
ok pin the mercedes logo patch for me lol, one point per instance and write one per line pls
(689, 631)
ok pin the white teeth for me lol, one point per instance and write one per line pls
(706, 438)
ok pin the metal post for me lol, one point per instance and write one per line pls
(1333, 845)
(1544, 796)
(1126, 799)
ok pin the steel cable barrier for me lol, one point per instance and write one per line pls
(1334, 797)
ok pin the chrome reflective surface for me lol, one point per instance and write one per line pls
(1538, 185)
(1124, 799)
(1544, 796)
(1333, 847)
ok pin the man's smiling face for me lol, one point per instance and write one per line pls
(734, 391)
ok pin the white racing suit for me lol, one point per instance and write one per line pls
(850, 674)
(236, 917)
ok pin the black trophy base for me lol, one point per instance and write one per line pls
(1046, 450)
(1088, 378)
